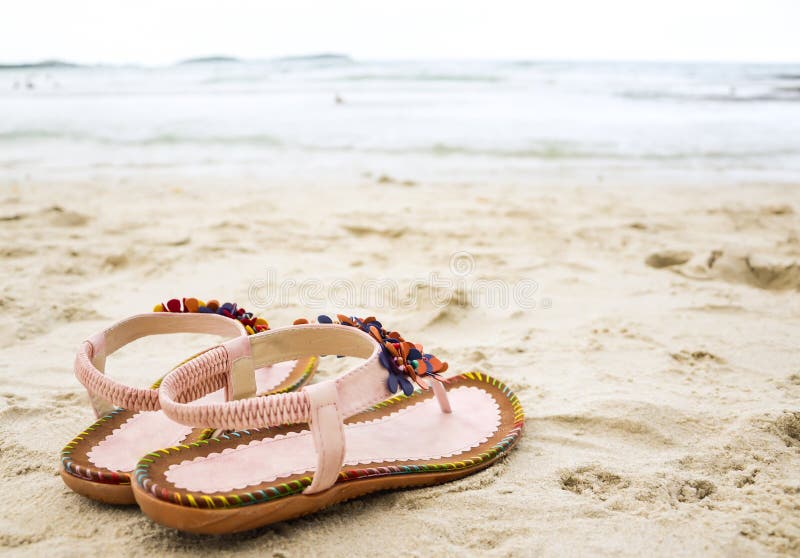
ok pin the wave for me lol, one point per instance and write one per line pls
(320, 57)
(554, 150)
(780, 94)
(30, 134)
(177, 139)
(210, 60)
(154, 140)
(312, 58)
(542, 150)
(422, 77)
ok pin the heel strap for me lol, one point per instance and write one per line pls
(106, 393)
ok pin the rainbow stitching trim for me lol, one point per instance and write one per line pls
(92, 474)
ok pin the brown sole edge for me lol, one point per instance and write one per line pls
(121, 494)
(205, 521)
(118, 494)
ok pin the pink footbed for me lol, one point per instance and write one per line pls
(150, 430)
(420, 431)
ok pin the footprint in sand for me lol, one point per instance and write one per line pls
(693, 358)
(116, 261)
(592, 479)
(787, 427)
(60, 217)
(780, 209)
(790, 385)
(754, 269)
(10, 252)
(624, 332)
(694, 490)
(668, 258)
(623, 493)
(732, 265)
(747, 478)
(361, 231)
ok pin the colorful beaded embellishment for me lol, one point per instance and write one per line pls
(251, 323)
(405, 361)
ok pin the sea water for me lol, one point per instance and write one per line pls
(334, 117)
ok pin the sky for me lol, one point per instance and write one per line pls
(165, 31)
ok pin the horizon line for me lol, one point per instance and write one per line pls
(231, 59)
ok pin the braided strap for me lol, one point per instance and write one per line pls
(102, 388)
(207, 373)
(362, 386)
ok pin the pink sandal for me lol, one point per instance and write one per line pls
(331, 441)
(97, 463)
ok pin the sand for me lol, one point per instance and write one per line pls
(659, 368)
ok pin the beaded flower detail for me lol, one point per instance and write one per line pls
(251, 323)
(405, 361)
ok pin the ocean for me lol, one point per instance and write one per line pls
(333, 117)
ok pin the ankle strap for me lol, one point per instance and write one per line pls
(106, 393)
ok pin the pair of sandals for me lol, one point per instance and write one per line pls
(246, 441)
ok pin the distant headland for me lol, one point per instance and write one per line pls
(212, 59)
(43, 64)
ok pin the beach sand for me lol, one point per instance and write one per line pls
(659, 369)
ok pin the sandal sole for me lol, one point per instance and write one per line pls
(245, 518)
(159, 505)
(117, 494)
